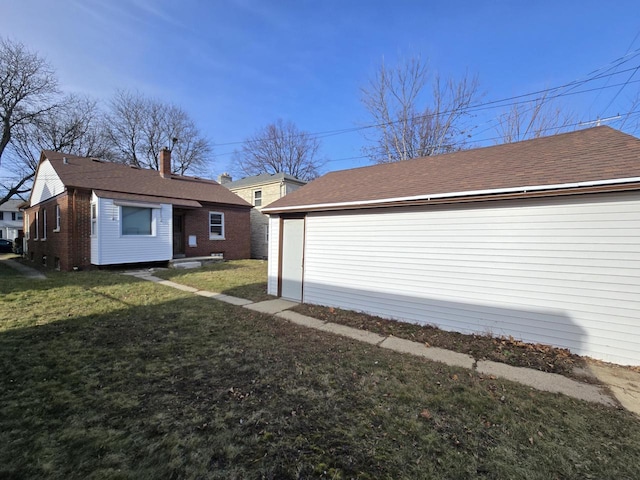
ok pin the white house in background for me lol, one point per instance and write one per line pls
(539, 240)
(260, 191)
(10, 219)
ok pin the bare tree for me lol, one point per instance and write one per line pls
(409, 120)
(281, 147)
(28, 88)
(139, 127)
(630, 121)
(73, 126)
(538, 118)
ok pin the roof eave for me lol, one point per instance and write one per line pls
(602, 186)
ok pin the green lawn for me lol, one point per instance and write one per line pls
(106, 376)
(239, 278)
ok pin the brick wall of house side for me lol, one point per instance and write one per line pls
(80, 206)
(236, 244)
(60, 249)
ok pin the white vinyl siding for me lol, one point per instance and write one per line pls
(110, 247)
(274, 250)
(46, 185)
(563, 271)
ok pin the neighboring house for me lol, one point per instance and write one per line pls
(260, 191)
(86, 212)
(10, 220)
(539, 240)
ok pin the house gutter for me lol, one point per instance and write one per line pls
(468, 193)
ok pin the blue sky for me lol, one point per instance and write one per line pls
(237, 65)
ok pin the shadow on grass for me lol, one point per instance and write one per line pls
(159, 384)
(256, 292)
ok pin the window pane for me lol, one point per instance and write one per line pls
(136, 221)
(257, 198)
(215, 224)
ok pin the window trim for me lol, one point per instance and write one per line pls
(57, 210)
(94, 219)
(37, 224)
(44, 224)
(255, 199)
(213, 236)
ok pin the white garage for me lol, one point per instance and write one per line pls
(539, 240)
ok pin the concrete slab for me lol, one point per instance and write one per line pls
(453, 359)
(354, 333)
(232, 300)
(272, 306)
(178, 286)
(185, 265)
(206, 293)
(300, 319)
(151, 278)
(548, 382)
(623, 383)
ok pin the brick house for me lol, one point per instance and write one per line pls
(84, 212)
(260, 191)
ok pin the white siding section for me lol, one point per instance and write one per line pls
(563, 271)
(46, 185)
(109, 247)
(274, 258)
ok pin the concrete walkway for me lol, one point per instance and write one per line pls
(23, 269)
(624, 389)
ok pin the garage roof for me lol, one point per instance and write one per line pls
(594, 159)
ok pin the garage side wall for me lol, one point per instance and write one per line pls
(563, 271)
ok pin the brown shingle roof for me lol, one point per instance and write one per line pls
(81, 172)
(594, 154)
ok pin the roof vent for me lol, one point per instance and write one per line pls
(65, 160)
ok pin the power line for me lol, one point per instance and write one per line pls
(483, 106)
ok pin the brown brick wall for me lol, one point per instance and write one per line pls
(237, 242)
(80, 219)
(61, 249)
(72, 244)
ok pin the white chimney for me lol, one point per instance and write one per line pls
(224, 178)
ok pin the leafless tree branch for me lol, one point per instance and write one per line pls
(409, 122)
(281, 147)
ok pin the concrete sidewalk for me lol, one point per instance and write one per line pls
(624, 389)
(23, 269)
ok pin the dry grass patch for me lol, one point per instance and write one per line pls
(106, 376)
(239, 278)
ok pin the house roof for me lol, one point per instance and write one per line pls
(598, 157)
(11, 205)
(120, 180)
(263, 179)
